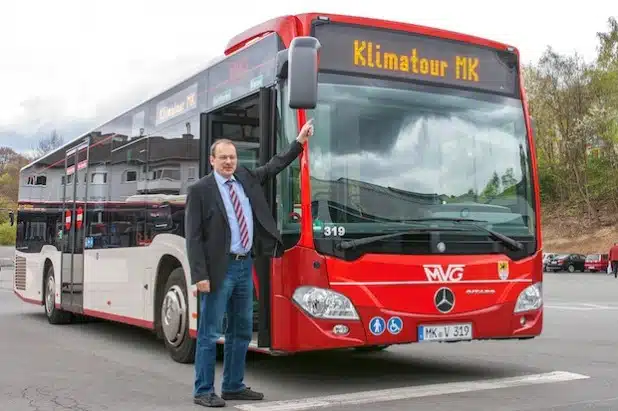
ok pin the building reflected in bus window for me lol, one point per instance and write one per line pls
(173, 162)
(173, 159)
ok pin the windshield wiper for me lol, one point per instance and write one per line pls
(508, 241)
(346, 244)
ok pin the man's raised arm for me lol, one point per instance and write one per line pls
(280, 161)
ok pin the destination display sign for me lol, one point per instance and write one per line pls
(180, 103)
(244, 72)
(411, 56)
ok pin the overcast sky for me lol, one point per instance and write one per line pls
(71, 64)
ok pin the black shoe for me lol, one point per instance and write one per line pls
(245, 394)
(209, 400)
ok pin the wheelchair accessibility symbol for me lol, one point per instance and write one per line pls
(395, 325)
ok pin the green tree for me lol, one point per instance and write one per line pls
(575, 107)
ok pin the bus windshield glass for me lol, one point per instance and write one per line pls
(386, 152)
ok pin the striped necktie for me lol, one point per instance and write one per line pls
(242, 223)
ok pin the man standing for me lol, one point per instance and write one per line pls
(613, 259)
(228, 221)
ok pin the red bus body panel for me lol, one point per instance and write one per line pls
(393, 285)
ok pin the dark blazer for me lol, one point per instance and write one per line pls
(207, 231)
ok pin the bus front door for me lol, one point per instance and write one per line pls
(73, 228)
(248, 122)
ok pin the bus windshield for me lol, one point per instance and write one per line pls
(387, 152)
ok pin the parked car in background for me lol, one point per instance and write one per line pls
(546, 258)
(566, 262)
(596, 262)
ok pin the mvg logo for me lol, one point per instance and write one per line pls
(435, 272)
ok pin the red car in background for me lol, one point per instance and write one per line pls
(596, 262)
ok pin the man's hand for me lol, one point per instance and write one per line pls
(305, 132)
(203, 286)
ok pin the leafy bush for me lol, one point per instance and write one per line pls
(7, 234)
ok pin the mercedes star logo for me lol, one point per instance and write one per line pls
(444, 300)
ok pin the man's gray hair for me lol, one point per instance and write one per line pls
(213, 147)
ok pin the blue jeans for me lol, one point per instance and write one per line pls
(234, 296)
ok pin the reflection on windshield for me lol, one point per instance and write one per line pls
(386, 152)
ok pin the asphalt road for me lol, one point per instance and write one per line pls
(6, 268)
(6, 256)
(104, 366)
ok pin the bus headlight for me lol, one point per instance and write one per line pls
(530, 298)
(327, 304)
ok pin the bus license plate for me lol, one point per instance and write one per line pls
(445, 332)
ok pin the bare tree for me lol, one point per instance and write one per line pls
(49, 143)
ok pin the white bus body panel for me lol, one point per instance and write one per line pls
(119, 283)
(29, 268)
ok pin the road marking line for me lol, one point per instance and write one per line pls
(368, 397)
(581, 307)
(564, 302)
(602, 307)
(568, 308)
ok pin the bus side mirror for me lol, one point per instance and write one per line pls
(11, 218)
(303, 73)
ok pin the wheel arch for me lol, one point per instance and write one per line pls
(166, 265)
(47, 264)
(171, 249)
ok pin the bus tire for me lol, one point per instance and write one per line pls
(54, 314)
(174, 311)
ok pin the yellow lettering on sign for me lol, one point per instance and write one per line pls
(167, 112)
(359, 57)
(191, 100)
(371, 55)
(466, 68)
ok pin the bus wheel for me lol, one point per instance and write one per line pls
(175, 319)
(372, 348)
(54, 315)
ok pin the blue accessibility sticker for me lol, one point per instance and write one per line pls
(395, 325)
(377, 325)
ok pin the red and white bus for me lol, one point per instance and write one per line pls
(412, 216)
